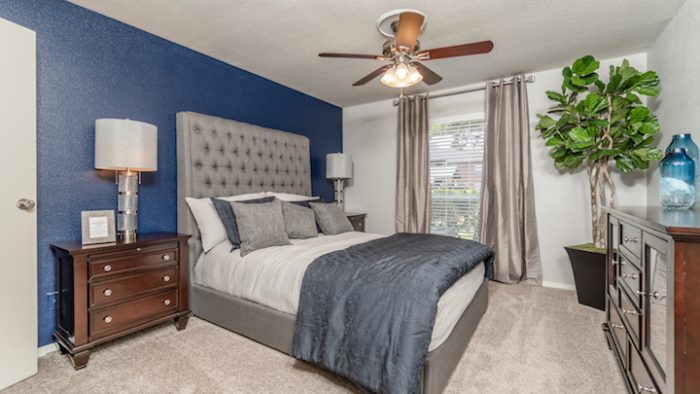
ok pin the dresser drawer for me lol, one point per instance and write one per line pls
(122, 316)
(117, 263)
(641, 378)
(109, 291)
(632, 277)
(632, 316)
(631, 239)
(618, 333)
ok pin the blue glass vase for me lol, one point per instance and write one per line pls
(677, 185)
(686, 141)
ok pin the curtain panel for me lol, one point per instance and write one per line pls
(508, 220)
(413, 169)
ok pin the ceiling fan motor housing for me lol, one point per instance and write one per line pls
(389, 49)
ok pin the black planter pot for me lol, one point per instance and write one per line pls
(589, 275)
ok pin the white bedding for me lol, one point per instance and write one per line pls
(273, 276)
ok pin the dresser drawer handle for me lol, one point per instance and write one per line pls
(107, 292)
(166, 278)
(626, 312)
(642, 389)
(658, 296)
(166, 257)
(629, 276)
(166, 302)
(618, 326)
(107, 319)
(107, 268)
(633, 240)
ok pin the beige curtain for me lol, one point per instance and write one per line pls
(508, 222)
(413, 170)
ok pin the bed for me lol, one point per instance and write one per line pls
(219, 157)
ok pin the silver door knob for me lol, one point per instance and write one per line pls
(107, 292)
(25, 204)
(166, 278)
(107, 319)
(166, 302)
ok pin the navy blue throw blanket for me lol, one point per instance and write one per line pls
(367, 312)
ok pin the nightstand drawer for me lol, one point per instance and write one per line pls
(631, 239)
(631, 276)
(115, 263)
(633, 318)
(642, 380)
(109, 291)
(123, 316)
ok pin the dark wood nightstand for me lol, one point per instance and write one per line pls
(111, 290)
(357, 220)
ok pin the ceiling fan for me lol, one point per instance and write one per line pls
(402, 50)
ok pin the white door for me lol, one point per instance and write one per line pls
(18, 281)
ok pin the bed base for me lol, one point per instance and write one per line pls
(276, 329)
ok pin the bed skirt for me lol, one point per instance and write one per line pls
(276, 329)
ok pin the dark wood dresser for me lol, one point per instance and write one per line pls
(357, 220)
(111, 290)
(653, 297)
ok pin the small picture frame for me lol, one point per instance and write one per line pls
(98, 227)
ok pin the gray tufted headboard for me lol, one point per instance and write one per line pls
(221, 157)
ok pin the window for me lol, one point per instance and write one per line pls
(456, 165)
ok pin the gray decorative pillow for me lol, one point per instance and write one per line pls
(299, 221)
(260, 225)
(331, 218)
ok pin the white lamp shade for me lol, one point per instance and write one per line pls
(338, 166)
(122, 144)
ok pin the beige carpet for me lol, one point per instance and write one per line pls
(531, 340)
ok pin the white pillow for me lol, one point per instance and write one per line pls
(211, 228)
(293, 197)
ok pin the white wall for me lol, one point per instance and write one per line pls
(562, 202)
(676, 57)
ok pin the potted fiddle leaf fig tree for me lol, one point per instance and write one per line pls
(592, 125)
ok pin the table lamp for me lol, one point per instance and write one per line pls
(128, 147)
(338, 168)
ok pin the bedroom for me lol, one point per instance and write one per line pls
(231, 100)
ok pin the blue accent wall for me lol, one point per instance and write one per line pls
(89, 67)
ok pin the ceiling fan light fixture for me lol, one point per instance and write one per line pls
(401, 75)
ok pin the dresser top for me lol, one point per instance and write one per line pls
(674, 222)
(76, 247)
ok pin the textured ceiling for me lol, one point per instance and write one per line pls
(280, 39)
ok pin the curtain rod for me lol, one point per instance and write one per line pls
(528, 79)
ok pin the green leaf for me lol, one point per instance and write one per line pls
(556, 96)
(585, 65)
(600, 85)
(624, 164)
(638, 114)
(559, 153)
(545, 122)
(595, 103)
(579, 134)
(555, 141)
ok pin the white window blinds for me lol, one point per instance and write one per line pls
(456, 164)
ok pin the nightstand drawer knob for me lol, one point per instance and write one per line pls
(107, 292)
(166, 302)
(107, 268)
(166, 278)
(166, 257)
(627, 312)
(107, 319)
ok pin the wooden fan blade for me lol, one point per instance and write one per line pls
(474, 48)
(429, 76)
(408, 30)
(372, 75)
(351, 55)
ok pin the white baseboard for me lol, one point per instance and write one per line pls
(46, 349)
(557, 285)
